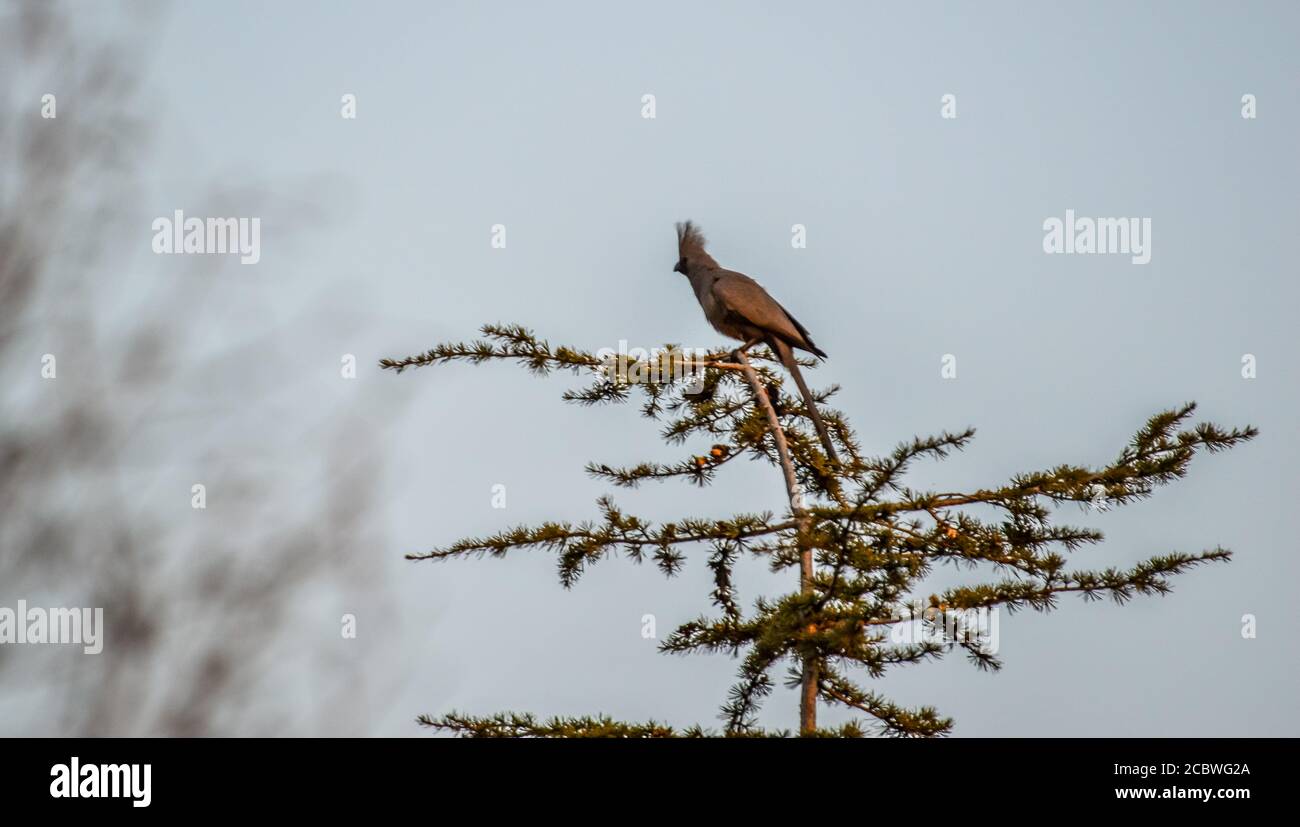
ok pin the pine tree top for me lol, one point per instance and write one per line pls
(873, 538)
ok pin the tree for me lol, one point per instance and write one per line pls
(860, 539)
(199, 630)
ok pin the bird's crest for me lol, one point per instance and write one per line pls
(690, 245)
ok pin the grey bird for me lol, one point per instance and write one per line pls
(739, 307)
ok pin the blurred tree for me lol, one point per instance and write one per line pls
(201, 616)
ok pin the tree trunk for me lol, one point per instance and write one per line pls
(808, 685)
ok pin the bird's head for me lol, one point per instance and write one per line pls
(690, 250)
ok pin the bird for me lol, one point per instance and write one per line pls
(738, 307)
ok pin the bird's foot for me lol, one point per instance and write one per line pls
(736, 354)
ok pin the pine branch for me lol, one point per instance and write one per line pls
(515, 725)
(587, 542)
(511, 342)
(892, 719)
(1146, 578)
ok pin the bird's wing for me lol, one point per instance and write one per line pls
(741, 295)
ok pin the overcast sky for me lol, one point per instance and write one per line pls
(924, 238)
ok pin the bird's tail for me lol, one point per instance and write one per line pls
(786, 355)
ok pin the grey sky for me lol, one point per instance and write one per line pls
(924, 238)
